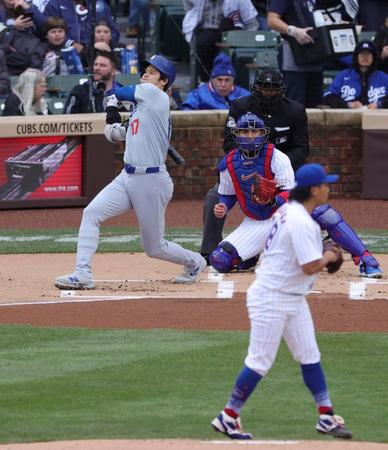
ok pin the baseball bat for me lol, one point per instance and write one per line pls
(176, 156)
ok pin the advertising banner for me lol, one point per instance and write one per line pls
(47, 167)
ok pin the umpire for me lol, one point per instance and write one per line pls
(287, 121)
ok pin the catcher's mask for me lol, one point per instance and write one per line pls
(268, 89)
(250, 134)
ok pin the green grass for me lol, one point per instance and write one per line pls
(115, 239)
(60, 384)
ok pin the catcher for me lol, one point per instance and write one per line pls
(259, 177)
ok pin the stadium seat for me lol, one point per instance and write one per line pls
(243, 46)
(328, 77)
(55, 104)
(265, 58)
(61, 85)
(366, 36)
(127, 78)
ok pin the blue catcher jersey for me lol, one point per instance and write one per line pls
(242, 172)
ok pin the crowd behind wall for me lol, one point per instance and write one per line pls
(52, 40)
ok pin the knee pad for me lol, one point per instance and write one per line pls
(224, 257)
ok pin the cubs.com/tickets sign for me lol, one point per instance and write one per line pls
(33, 168)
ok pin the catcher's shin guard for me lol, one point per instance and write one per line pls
(341, 232)
(224, 258)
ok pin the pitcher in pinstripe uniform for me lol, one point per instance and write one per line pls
(237, 170)
(277, 307)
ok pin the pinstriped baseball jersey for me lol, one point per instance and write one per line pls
(280, 167)
(149, 129)
(294, 240)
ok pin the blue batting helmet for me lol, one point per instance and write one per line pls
(250, 147)
(163, 65)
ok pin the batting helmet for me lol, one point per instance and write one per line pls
(164, 66)
(268, 88)
(250, 147)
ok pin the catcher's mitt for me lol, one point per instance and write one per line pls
(263, 190)
(333, 267)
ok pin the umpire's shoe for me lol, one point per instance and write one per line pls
(229, 426)
(333, 425)
(190, 276)
(74, 281)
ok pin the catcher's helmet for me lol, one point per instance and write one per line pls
(250, 147)
(164, 66)
(268, 88)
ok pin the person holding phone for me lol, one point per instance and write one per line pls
(20, 39)
(19, 15)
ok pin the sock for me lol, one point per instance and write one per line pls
(314, 379)
(243, 388)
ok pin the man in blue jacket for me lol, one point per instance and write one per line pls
(362, 84)
(219, 91)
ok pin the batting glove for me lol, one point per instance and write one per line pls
(112, 101)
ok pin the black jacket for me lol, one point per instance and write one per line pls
(12, 106)
(79, 100)
(287, 124)
(23, 50)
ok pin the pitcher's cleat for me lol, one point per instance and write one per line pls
(333, 425)
(229, 426)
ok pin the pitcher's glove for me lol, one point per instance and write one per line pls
(263, 190)
(333, 267)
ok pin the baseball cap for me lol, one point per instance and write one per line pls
(365, 45)
(313, 174)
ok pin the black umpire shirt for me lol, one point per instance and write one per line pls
(287, 124)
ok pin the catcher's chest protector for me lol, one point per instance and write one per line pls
(242, 172)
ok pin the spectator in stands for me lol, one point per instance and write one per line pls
(76, 14)
(27, 97)
(84, 98)
(242, 14)
(361, 85)
(139, 12)
(103, 41)
(5, 83)
(220, 91)
(53, 63)
(201, 27)
(22, 46)
(20, 15)
(302, 72)
(381, 43)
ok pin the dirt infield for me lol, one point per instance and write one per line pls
(129, 287)
(196, 445)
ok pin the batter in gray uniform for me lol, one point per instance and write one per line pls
(143, 185)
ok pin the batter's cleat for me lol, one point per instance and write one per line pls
(229, 426)
(333, 425)
(190, 276)
(370, 271)
(74, 281)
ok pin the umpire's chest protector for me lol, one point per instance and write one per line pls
(242, 172)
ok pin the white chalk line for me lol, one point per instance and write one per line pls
(234, 442)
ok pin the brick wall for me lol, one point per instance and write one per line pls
(335, 142)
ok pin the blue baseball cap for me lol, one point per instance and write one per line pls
(312, 175)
